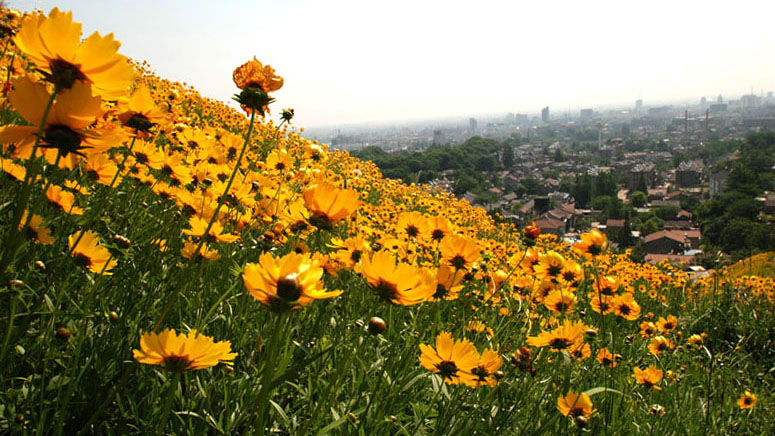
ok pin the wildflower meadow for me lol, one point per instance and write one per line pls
(172, 265)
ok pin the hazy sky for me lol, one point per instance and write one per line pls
(347, 61)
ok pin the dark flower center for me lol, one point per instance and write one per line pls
(458, 262)
(560, 343)
(440, 293)
(63, 138)
(139, 122)
(82, 260)
(437, 235)
(176, 363)
(447, 368)
(288, 288)
(64, 74)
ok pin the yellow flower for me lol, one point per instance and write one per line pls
(448, 283)
(484, 371)
(179, 353)
(574, 404)
(459, 252)
(89, 253)
(606, 358)
(199, 225)
(287, 282)
(66, 130)
(569, 334)
(667, 325)
(648, 377)
(450, 359)
(399, 283)
(592, 243)
(560, 301)
(625, 306)
(54, 45)
(747, 400)
(659, 344)
(549, 265)
(140, 111)
(36, 230)
(329, 204)
(204, 252)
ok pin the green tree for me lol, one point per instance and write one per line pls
(638, 199)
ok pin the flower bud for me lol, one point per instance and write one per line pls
(63, 333)
(376, 325)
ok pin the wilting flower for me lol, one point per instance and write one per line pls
(256, 82)
(747, 400)
(89, 253)
(329, 204)
(574, 404)
(286, 282)
(54, 45)
(451, 359)
(592, 243)
(254, 74)
(648, 377)
(179, 353)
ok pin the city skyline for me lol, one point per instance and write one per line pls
(345, 62)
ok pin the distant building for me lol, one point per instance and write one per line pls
(473, 127)
(689, 173)
(638, 105)
(717, 107)
(718, 182)
(555, 227)
(545, 114)
(522, 119)
(751, 100)
(586, 114)
(438, 137)
(703, 103)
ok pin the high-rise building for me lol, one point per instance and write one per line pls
(545, 114)
(703, 103)
(638, 105)
(438, 137)
(472, 126)
(586, 114)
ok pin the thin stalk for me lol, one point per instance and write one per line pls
(173, 298)
(22, 198)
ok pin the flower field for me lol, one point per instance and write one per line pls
(171, 265)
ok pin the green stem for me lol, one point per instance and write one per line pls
(123, 161)
(173, 298)
(167, 403)
(12, 239)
